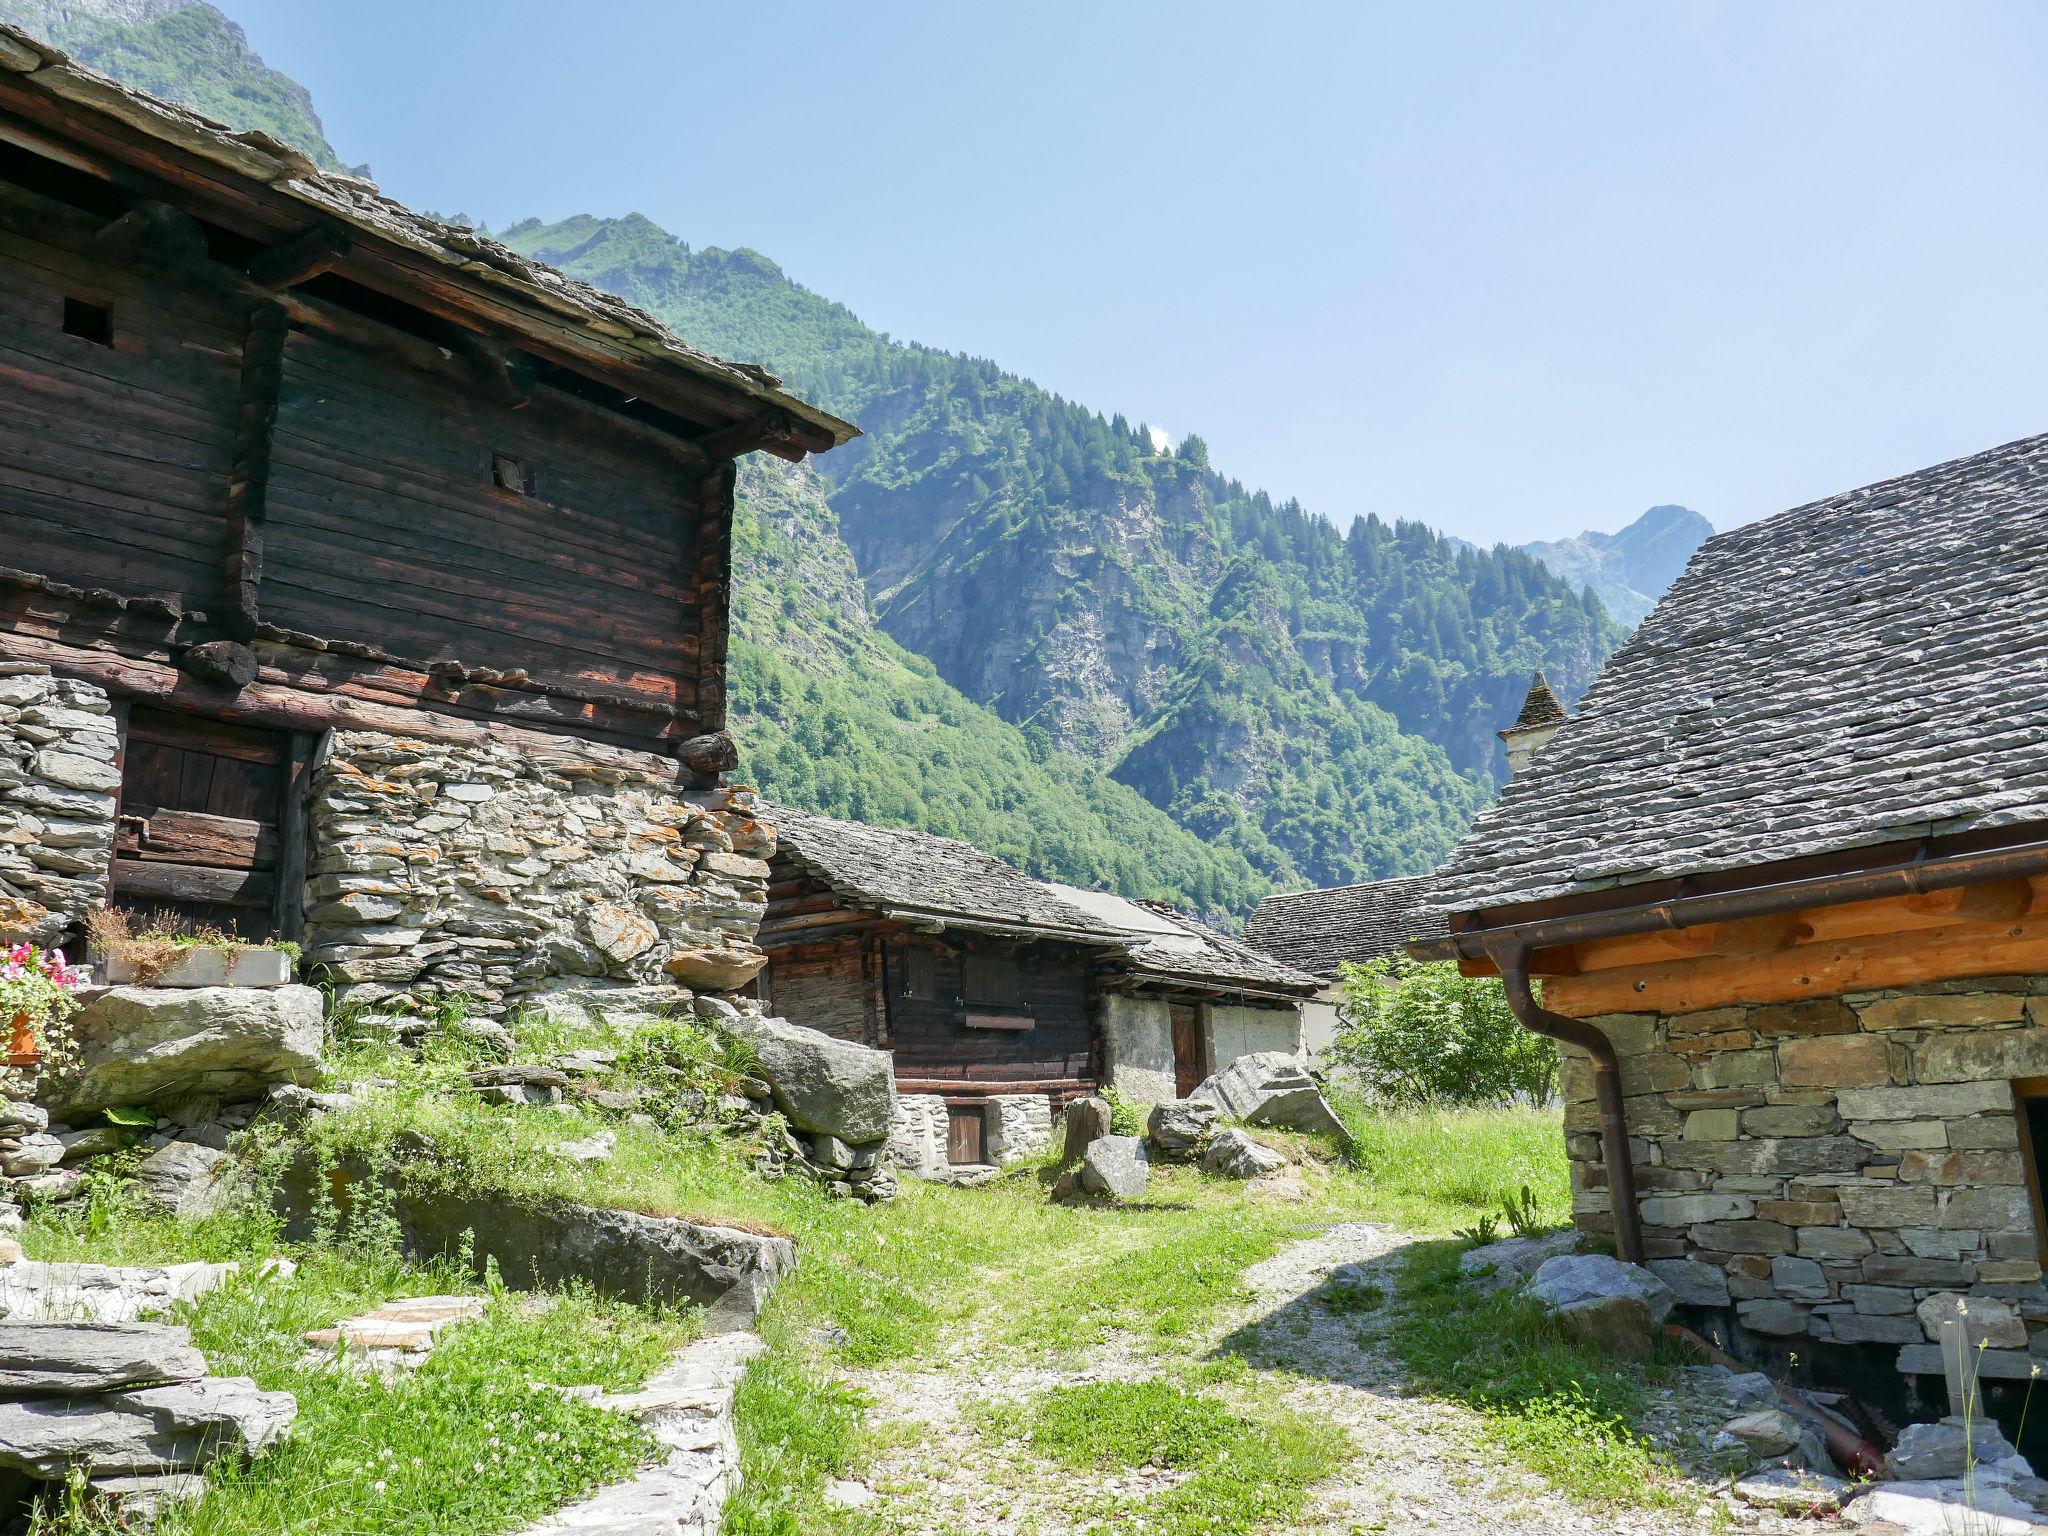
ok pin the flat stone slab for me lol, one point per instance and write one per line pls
(152, 1431)
(45, 1358)
(107, 1293)
(688, 1408)
(408, 1327)
(1793, 1492)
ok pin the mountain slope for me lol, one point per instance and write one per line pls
(1630, 569)
(1061, 569)
(834, 716)
(186, 52)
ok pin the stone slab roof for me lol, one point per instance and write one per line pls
(260, 162)
(916, 876)
(1865, 669)
(1316, 931)
(1169, 946)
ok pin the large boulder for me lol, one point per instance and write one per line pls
(45, 1358)
(1235, 1155)
(1180, 1127)
(824, 1085)
(1115, 1165)
(1272, 1088)
(150, 1045)
(1608, 1305)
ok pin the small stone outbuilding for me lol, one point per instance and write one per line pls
(1000, 996)
(1317, 931)
(1785, 879)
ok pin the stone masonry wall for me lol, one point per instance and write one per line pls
(1844, 1168)
(518, 870)
(58, 789)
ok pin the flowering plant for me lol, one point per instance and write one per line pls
(37, 984)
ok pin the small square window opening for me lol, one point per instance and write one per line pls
(510, 474)
(89, 322)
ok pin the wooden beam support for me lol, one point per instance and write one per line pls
(1821, 969)
(249, 476)
(299, 260)
(714, 594)
(1645, 948)
(780, 435)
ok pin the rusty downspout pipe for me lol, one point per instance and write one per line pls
(1513, 962)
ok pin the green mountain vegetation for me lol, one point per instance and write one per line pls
(1324, 702)
(1628, 570)
(185, 52)
(834, 716)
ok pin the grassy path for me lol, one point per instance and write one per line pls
(1180, 1367)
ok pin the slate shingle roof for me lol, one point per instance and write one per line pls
(466, 255)
(1316, 930)
(1866, 669)
(911, 875)
(1539, 707)
(1167, 945)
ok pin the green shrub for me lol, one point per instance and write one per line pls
(1423, 1034)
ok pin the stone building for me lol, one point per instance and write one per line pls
(1781, 881)
(1000, 996)
(367, 584)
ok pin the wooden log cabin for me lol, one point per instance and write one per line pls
(279, 457)
(989, 987)
(1783, 883)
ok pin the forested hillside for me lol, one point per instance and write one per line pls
(1325, 702)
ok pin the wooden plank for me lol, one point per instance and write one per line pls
(998, 1021)
(1820, 969)
(142, 882)
(154, 835)
(295, 832)
(714, 595)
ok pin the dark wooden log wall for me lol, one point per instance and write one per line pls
(365, 522)
(822, 991)
(113, 459)
(931, 1042)
(384, 525)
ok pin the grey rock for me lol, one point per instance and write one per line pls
(1768, 1432)
(294, 1105)
(188, 1180)
(1234, 1155)
(146, 1045)
(1087, 1122)
(822, 1084)
(94, 1141)
(46, 1358)
(18, 1117)
(1510, 1262)
(141, 1500)
(1179, 1127)
(1792, 1492)
(1695, 1283)
(1944, 1449)
(185, 1425)
(1602, 1302)
(1115, 1165)
(31, 1155)
(1272, 1088)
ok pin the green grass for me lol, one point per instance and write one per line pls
(1248, 1468)
(475, 1443)
(1557, 1407)
(1435, 1170)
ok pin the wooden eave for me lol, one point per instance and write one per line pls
(1821, 948)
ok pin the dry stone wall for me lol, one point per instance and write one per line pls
(58, 787)
(519, 871)
(1844, 1168)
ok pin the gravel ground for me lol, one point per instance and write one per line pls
(1419, 1465)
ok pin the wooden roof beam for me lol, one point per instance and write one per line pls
(299, 260)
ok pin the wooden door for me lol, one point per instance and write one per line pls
(966, 1138)
(202, 808)
(1190, 1065)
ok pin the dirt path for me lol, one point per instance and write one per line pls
(1416, 1465)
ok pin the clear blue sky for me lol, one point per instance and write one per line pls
(1512, 269)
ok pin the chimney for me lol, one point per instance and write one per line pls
(1539, 720)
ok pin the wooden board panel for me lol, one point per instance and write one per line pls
(966, 1134)
(929, 1036)
(384, 527)
(193, 837)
